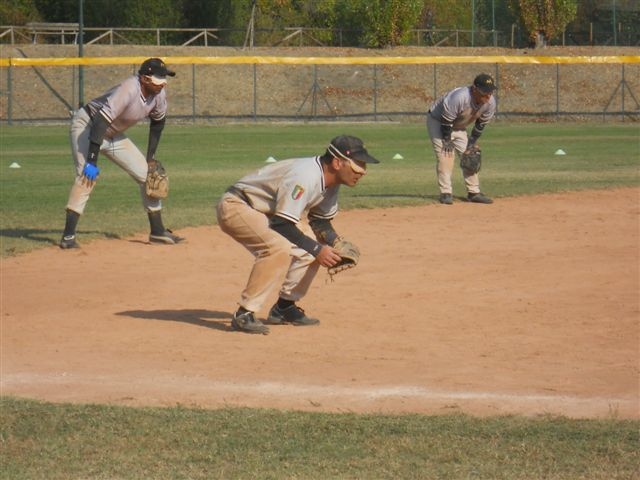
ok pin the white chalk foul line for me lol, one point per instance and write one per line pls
(278, 389)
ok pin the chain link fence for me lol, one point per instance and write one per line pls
(265, 88)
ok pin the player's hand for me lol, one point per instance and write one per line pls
(90, 173)
(328, 256)
(447, 146)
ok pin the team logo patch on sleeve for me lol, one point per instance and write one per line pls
(297, 192)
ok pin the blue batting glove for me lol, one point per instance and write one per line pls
(90, 171)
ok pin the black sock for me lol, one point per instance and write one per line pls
(155, 221)
(282, 303)
(71, 223)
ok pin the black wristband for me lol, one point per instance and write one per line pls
(92, 155)
(323, 230)
(446, 131)
(477, 130)
(292, 233)
(155, 131)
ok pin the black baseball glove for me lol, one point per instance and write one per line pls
(471, 160)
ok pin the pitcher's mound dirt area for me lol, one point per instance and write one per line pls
(527, 306)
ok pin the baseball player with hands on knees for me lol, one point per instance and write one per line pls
(263, 212)
(99, 126)
(447, 122)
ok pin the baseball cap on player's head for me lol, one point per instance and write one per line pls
(484, 83)
(351, 148)
(156, 69)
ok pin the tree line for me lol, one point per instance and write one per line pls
(366, 23)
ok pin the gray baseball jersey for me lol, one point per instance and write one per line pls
(457, 108)
(124, 105)
(289, 188)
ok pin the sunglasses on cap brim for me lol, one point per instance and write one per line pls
(156, 80)
(352, 163)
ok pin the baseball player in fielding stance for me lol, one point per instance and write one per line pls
(263, 212)
(99, 126)
(447, 122)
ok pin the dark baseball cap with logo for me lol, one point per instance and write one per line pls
(352, 148)
(157, 70)
(485, 83)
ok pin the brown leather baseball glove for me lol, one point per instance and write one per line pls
(157, 183)
(349, 253)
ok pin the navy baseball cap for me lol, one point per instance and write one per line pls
(351, 148)
(485, 83)
(157, 70)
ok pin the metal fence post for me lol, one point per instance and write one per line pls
(435, 80)
(193, 92)
(375, 92)
(624, 82)
(557, 90)
(9, 95)
(497, 79)
(255, 92)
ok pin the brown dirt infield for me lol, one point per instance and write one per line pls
(528, 306)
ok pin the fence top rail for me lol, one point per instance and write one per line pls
(51, 26)
(422, 60)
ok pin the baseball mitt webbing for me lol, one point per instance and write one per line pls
(349, 254)
(157, 183)
(471, 160)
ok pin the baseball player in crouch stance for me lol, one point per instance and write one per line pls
(99, 126)
(263, 210)
(447, 122)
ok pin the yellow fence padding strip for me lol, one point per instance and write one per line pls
(268, 60)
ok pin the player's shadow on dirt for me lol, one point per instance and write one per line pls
(396, 195)
(433, 198)
(46, 236)
(201, 318)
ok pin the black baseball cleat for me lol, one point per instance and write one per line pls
(446, 199)
(246, 322)
(69, 241)
(167, 237)
(292, 314)
(478, 198)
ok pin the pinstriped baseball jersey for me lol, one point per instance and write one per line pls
(458, 109)
(124, 105)
(289, 188)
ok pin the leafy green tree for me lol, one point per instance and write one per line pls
(371, 23)
(545, 19)
(115, 13)
(18, 12)
(495, 15)
(209, 14)
(134, 13)
(388, 22)
(447, 14)
(59, 10)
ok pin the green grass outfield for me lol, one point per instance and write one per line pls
(203, 160)
(62, 441)
(46, 441)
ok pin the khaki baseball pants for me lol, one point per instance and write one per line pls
(119, 149)
(279, 266)
(446, 162)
